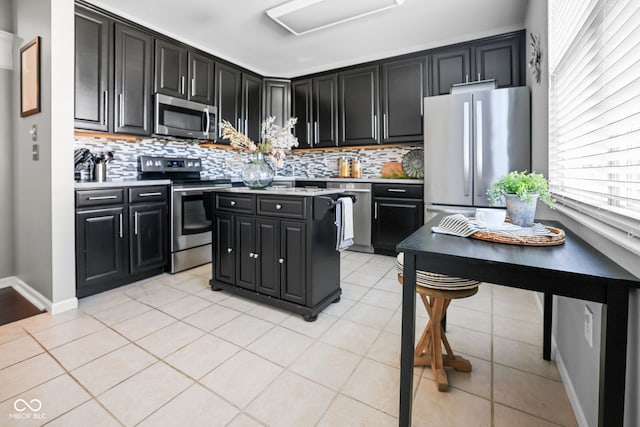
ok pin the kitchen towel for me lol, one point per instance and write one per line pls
(344, 223)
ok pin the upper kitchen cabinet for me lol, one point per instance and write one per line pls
(133, 74)
(93, 78)
(404, 84)
(182, 73)
(315, 104)
(227, 88)
(251, 106)
(500, 60)
(359, 106)
(277, 100)
(450, 66)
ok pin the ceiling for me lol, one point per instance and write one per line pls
(241, 32)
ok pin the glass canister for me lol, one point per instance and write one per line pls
(343, 167)
(356, 168)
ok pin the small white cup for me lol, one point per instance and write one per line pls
(491, 217)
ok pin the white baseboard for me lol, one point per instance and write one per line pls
(568, 385)
(36, 298)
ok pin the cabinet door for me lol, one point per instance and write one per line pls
(500, 60)
(93, 89)
(266, 257)
(101, 244)
(200, 78)
(403, 92)
(359, 106)
(450, 67)
(393, 221)
(148, 236)
(325, 111)
(302, 94)
(170, 69)
(251, 106)
(245, 228)
(132, 81)
(277, 100)
(227, 82)
(293, 268)
(224, 259)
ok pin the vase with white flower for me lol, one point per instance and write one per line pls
(274, 142)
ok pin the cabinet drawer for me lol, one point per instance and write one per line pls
(148, 194)
(108, 196)
(240, 203)
(404, 191)
(291, 207)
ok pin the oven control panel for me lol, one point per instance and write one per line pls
(169, 164)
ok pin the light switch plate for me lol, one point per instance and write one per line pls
(588, 325)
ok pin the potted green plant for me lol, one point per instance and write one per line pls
(521, 191)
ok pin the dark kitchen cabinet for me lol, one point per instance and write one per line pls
(398, 211)
(315, 104)
(277, 100)
(182, 73)
(133, 74)
(450, 66)
(500, 60)
(359, 106)
(121, 236)
(93, 71)
(227, 87)
(251, 118)
(279, 250)
(404, 86)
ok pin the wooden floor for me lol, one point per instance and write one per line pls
(14, 306)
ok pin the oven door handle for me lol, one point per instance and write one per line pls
(198, 189)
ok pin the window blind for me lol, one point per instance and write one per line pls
(594, 109)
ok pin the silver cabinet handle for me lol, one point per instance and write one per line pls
(150, 194)
(121, 226)
(278, 206)
(193, 86)
(309, 141)
(238, 123)
(233, 203)
(229, 250)
(375, 210)
(478, 76)
(135, 223)
(466, 78)
(255, 256)
(375, 126)
(250, 254)
(105, 97)
(466, 148)
(316, 138)
(479, 147)
(102, 197)
(385, 126)
(396, 190)
(281, 260)
(121, 115)
(246, 126)
(182, 85)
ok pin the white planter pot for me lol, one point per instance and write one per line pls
(520, 211)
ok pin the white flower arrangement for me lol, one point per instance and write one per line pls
(275, 140)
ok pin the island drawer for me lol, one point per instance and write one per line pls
(290, 207)
(404, 191)
(103, 197)
(148, 194)
(239, 203)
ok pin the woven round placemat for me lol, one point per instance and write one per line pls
(511, 239)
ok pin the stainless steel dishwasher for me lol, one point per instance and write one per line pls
(361, 213)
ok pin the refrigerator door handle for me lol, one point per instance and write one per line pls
(466, 146)
(480, 190)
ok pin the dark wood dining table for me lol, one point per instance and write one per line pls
(574, 269)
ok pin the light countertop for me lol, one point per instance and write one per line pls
(110, 183)
(283, 191)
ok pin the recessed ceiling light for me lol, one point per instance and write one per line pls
(304, 16)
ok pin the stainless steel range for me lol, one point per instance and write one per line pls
(190, 209)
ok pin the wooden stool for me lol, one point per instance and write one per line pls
(436, 292)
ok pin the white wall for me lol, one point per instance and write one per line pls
(581, 361)
(6, 148)
(43, 222)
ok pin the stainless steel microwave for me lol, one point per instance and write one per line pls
(184, 119)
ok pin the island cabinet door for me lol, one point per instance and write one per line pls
(224, 247)
(245, 251)
(266, 257)
(293, 261)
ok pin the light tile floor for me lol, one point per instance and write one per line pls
(169, 351)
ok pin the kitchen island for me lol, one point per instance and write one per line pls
(277, 246)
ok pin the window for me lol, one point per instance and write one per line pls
(594, 109)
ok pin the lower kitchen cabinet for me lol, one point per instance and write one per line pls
(398, 211)
(121, 236)
(279, 250)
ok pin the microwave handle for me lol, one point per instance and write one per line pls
(208, 122)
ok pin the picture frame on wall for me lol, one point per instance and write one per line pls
(30, 78)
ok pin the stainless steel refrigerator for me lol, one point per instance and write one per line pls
(470, 140)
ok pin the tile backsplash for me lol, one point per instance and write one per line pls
(228, 163)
